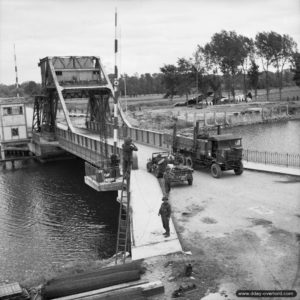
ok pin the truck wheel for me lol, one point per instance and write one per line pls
(239, 170)
(190, 181)
(188, 161)
(215, 170)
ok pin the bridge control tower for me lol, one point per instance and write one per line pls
(65, 79)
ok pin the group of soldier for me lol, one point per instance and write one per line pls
(165, 209)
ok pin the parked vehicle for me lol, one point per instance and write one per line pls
(180, 173)
(157, 163)
(177, 171)
(221, 152)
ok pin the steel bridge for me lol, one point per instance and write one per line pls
(64, 81)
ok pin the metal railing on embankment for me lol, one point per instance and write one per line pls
(272, 158)
(157, 139)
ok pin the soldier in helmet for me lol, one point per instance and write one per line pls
(167, 179)
(128, 147)
(165, 213)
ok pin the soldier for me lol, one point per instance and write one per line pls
(165, 213)
(167, 179)
(128, 147)
(178, 159)
(114, 166)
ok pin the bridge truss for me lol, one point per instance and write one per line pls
(65, 80)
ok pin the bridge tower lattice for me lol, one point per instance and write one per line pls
(67, 81)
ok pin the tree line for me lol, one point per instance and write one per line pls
(229, 62)
(26, 89)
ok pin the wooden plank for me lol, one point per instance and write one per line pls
(153, 288)
(98, 292)
(121, 290)
(11, 289)
(132, 294)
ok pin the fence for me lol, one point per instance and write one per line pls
(272, 158)
(89, 149)
(142, 136)
(158, 139)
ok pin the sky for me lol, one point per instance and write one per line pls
(151, 33)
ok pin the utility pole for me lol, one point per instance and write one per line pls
(125, 91)
(116, 89)
(16, 71)
(197, 82)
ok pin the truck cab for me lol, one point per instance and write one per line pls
(225, 153)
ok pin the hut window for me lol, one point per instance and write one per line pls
(7, 111)
(15, 131)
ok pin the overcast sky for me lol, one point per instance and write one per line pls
(151, 32)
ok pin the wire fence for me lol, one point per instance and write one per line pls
(272, 158)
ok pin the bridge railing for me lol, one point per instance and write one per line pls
(142, 136)
(87, 148)
(102, 172)
(158, 140)
(272, 158)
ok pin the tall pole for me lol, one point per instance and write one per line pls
(116, 91)
(16, 71)
(125, 91)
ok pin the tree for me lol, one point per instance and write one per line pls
(185, 77)
(296, 68)
(201, 69)
(227, 50)
(31, 88)
(253, 75)
(247, 52)
(170, 79)
(265, 43)
(284, 48)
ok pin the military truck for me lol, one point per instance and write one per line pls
(220, 152)
(178, 172)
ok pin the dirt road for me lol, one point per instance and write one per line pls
(243, 232)
(247, 225)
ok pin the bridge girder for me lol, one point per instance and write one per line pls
(68, 78)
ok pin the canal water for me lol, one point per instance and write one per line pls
(281, 137)
(49, 219)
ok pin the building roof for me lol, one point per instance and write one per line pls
(12, 100)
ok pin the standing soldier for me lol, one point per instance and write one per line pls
(167, 179)
(165, 213)
(114, 166)
(128, 147)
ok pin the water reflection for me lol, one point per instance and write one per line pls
(280, 137)
(49, 217)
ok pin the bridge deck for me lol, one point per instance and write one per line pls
(146, 198)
